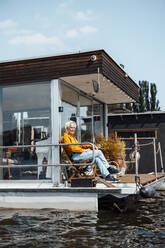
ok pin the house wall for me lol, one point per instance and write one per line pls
(145, 121)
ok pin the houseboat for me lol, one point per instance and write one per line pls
(37, 97)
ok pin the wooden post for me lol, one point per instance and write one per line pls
(161, 159)
(155, 161)
(136, 157)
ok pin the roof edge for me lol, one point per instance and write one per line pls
(35, 58)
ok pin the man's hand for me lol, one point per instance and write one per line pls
(96, 148)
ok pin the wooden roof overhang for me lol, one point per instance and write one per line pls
(78, 70)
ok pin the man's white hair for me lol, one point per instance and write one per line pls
(68, 124)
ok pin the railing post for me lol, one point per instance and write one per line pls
(155, 161)
(161, 159)
(137, 178)
(136, 157)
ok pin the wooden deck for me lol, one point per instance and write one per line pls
(144, 178)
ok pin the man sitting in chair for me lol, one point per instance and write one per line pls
(79, 153)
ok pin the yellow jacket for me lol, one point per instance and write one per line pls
(73, 148)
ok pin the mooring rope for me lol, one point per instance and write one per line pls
(133, 147)
(158, 149)
(151, 143)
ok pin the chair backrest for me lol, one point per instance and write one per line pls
(64, 154)
(65, 157)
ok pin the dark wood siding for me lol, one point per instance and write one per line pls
(114, 72)
(142, 122)
(47, 68)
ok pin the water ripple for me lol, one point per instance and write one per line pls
(49, 228)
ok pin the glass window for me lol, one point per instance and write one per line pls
(97, 119)
(117, 107)
(86, 119)
(86, 130)
(97, 125)
(69, 103)
(96, 108)
(79, 109)
(26, 121)
(85, 107)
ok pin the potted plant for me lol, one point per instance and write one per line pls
(113, 149)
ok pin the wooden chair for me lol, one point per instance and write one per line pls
(78, 171)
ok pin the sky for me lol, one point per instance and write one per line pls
(132, 32)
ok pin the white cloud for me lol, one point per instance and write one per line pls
(72, 33)
(24, 31)
(63, 5)
(37, 15)
(18, 32)
(35, 39)
(84, 16)
(88, 29)
(8, 24)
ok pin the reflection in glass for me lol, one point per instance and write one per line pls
(85, 106)
(85, 119)
(97, 125)
(69, 103)
(86, 130)
(26, 120)
(79, 109)
(97, 109)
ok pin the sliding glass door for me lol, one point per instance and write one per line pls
(25, 113)
(86, 112)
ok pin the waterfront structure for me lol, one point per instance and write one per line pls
(149, 127)
(37, 97)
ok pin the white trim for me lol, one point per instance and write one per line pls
(55, 127)
(58, 200)
(105, 121)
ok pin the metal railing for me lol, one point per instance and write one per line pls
(48, 145)
(136, 146)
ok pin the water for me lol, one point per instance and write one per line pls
(144, 227)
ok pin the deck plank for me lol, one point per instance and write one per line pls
(144, 178)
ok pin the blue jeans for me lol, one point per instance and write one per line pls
(100, 160)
